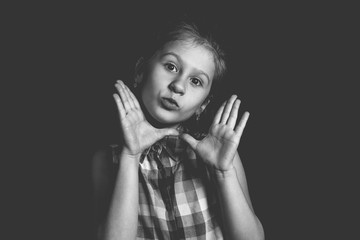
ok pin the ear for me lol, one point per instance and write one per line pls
(203, 106)
(139, 70)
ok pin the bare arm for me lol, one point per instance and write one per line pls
(239, 218)
(122, 219)
(137, 134)
(219, 151)
(115, 203)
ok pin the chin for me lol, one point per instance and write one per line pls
(167, 120)
(163, 119)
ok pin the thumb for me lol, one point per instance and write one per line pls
(190, 140)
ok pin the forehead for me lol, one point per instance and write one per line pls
(193, 55)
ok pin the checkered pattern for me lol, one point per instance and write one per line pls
(176, 199)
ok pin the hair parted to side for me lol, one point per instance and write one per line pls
(187, 30)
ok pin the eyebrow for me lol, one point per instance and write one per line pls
(180, 60)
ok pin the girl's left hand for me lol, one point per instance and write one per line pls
(218, 148)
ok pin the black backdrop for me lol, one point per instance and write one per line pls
(289, 64)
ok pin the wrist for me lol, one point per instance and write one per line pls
(220, 174)
(129, 159)
(129, 154)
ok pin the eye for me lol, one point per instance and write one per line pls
(171, 67)
(196, 81)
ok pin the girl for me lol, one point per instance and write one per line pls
(166, 180)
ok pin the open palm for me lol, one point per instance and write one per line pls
(138, 134)
(218, 148)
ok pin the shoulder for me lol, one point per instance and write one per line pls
(103, 172)
(101, 158)
(103, 165)
(106, 154)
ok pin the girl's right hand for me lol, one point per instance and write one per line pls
(137, 132)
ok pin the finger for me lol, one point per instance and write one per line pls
(123, 97)
(219, 113)
(227, 110)
(242, 123)
(120, 106)
(126, 90)
(234, 114)
(189, 140)
(134, 99)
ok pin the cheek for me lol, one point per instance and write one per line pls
(146, 94)
(149, 87)
(155, 82)
(195, 106)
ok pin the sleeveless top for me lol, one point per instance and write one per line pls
(176, 196)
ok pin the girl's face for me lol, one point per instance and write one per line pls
(177, 81)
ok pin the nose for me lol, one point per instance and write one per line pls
(178, 85)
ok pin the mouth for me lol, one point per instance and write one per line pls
(169, 103)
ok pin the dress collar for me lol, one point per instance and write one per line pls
(173, 145)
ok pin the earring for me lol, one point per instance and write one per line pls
(197, 116)
(135, 84)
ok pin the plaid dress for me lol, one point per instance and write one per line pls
(176, 197)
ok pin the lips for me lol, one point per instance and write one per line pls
(169, 104)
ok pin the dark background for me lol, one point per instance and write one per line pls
(291, 65)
